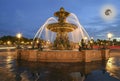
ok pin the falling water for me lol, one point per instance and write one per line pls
(75, 36)
(44, 33)
(80, 32)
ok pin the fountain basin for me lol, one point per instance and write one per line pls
(62, 56)
(61, 27)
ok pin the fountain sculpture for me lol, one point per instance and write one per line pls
(62, 28)
(62, 32)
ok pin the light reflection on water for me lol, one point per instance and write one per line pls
(11, 70)
(113, 66)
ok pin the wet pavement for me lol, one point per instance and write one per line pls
(12, 70)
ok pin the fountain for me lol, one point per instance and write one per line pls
(62, 33)
(62, 28)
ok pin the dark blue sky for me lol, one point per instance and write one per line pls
(26, 16)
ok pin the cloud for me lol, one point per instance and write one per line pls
(98, 28)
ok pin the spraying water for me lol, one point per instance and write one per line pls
(44, 33)
(75, 36)
(80, 32)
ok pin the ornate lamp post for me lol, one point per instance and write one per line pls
(19, 35)
(109, 35)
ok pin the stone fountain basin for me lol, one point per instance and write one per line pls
(61, 27)
(62, 56)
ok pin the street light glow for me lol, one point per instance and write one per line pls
(37, 41)
(8, 42)
(92, 38)
(109, 35)
(85, 38)
(19, 35)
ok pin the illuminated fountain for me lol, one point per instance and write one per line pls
(62, 32)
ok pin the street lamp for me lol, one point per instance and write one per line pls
(85, 38)
(109, 35)
(19, 35)
(37, 41)
(8, 42)
(92, 38)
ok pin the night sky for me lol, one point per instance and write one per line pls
(27, 16)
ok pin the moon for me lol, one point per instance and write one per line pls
(108, 12)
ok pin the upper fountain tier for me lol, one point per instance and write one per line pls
(61, 25)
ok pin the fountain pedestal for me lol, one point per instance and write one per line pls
(62, 42)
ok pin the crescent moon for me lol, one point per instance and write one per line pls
(108, 12)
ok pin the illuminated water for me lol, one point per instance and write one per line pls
(11, 70)
(75, 36)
